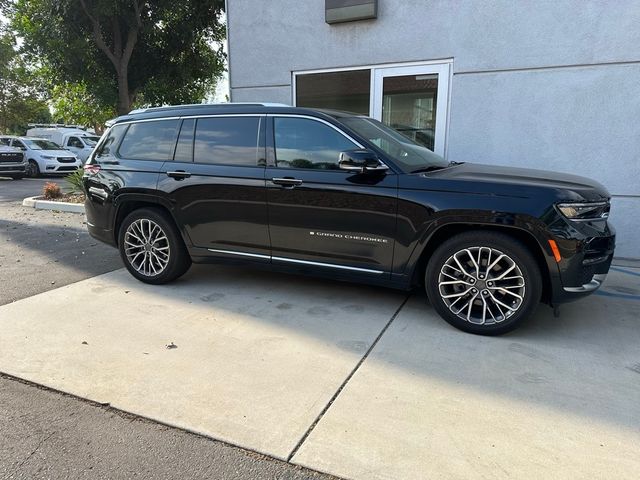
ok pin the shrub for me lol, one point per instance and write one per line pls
(51, 191)
(74, 181)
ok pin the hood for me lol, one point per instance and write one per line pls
(56, 153)
(519, 182)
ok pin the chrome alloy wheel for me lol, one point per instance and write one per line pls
(147, 247)
(481, 285)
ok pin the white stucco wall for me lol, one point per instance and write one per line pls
(536, 83)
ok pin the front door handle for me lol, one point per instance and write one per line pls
(287, 181)
(179, 174)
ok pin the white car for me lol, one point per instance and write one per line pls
(73, 139)
(44, 156)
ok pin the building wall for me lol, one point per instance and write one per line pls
(544, 84)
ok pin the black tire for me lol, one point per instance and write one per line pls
(489, 298)
(178, 261)
(33, 170)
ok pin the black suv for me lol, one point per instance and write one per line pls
(344, 196)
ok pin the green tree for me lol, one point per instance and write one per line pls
(21, 101)
(73, 103)
(121, 49)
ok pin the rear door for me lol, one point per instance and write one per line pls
(321, 216)
(216, 183)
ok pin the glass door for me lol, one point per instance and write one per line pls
(413, 100)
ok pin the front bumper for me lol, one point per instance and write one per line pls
(15, 169)
(590, 287)
(587, 252)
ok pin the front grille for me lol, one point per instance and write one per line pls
(12, 169)
(66, 169)
(10, 157)
(66, 160)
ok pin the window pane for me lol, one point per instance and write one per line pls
(347, 91)
(149, 140)
(111, 142)
(227, 140)
(409, 106)
(184, 149)
(305, 143)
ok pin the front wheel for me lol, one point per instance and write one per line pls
(483, 282)
(151, 247)
(33, 170)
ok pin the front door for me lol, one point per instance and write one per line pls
(320, 215)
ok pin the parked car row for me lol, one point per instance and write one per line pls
(46, 149)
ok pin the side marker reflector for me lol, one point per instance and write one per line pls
(555, 250)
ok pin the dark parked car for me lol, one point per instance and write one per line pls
(343, 196)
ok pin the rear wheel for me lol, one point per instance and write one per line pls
(151, 247)
(33, 170)
(483, 282)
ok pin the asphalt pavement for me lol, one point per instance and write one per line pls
(17, 190)
(46, 434)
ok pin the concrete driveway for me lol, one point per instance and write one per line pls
(351, 380)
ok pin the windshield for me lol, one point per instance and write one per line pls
(407, 154)
(91, 141)
(42, 145)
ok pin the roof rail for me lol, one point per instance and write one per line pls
(54, 125)
(203, 105)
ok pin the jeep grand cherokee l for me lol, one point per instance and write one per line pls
(343, 196)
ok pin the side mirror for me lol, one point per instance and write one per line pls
(361, 161)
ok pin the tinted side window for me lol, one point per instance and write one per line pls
(110, 144)
(306, 143)
(149, 140)
(184, 149)
(5, 141)
(227, 140)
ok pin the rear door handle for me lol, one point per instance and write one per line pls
(179, 174)
(287, 181)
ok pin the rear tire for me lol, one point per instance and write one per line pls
(33, 170)
(485, 283)
(151, 247)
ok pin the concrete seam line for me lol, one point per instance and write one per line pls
(109, 407)
(346, 380)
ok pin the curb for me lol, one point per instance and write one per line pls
(33, 202)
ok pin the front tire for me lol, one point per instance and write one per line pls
(33, 170)
(485, 283)
(151, 247)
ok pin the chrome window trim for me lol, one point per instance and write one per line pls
(293, 260)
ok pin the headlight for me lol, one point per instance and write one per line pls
(48, 157)
(585, 212)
